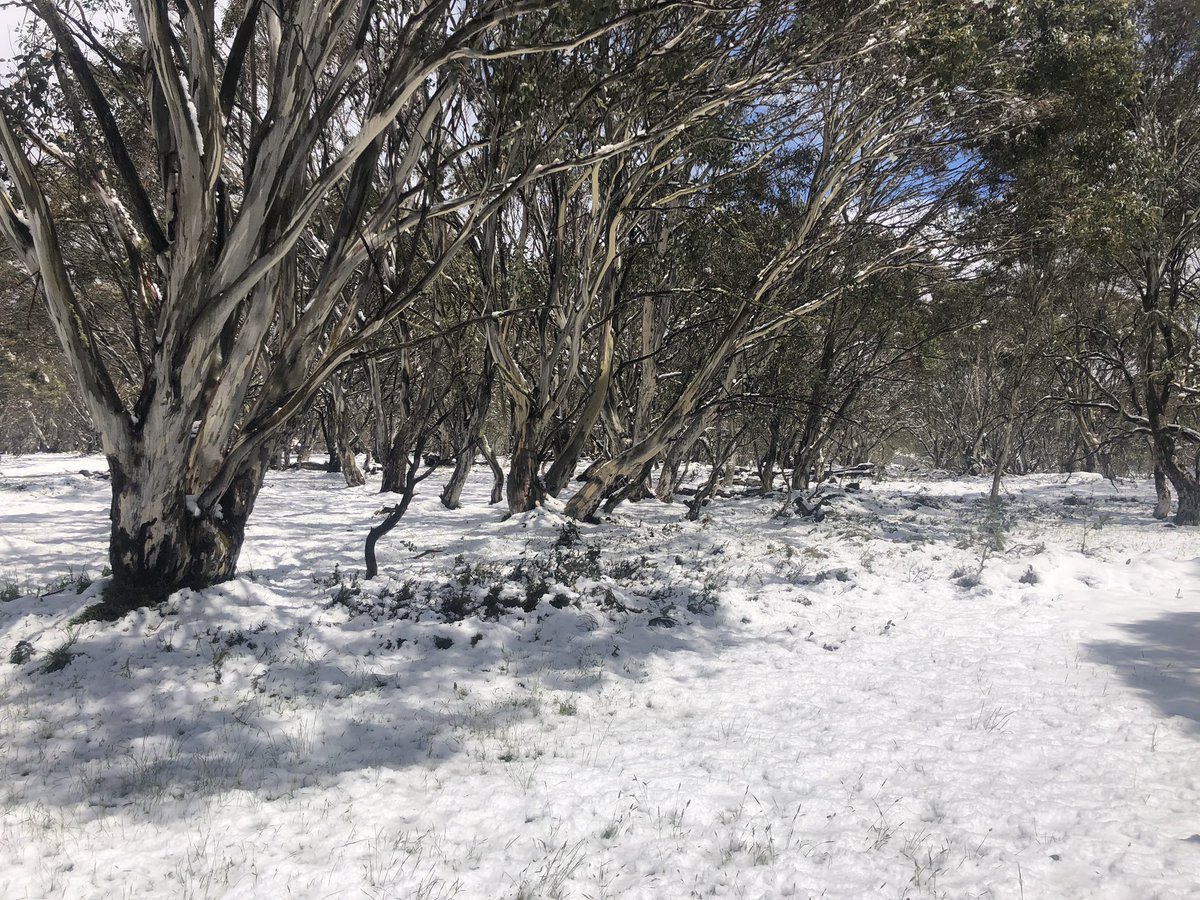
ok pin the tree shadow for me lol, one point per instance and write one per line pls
(152, 715)
(1161, 661)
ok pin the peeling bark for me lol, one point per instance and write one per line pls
(524, 487)
(161, 540)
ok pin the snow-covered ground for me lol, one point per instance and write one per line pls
(905, 700)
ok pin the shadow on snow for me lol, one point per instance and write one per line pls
(142, 720)
(1161, 661)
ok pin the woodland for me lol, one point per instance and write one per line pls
(590, 243)
(592, 449)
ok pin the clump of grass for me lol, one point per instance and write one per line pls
(568, 535)
(567, 707)
(706, 600)
(489, 591)
(1094, 523)
(345, 587)
(629, 568)
(21, 653)
(990, 719)
(346, 590)
(120, 599)
(1029, 577)
(10, 590)
(220, 654)
(73, 581)
(62, 655)
(117, 602)
(568, 568)
(965, 579)
(557, 864)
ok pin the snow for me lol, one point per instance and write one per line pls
(876, 706)
(123, 212)
(194, 120)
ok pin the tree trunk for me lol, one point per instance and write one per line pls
(525, 489)
(485, 448)
(1002, 455)
(338, 438)
(394, 465)
(766, 469)
(1162, 490)
(630, 461)
(1185, 482)
(634, 490)
(1095, 459)
(304, 445)
(721, 463)
(614, 472)
(677, 454)
(464, 461)
(1188, 510)
(379, 429)
(1163, 449)
(819, 468)
(668, 479)
(812, 439)
(465, 457)
(406, 470)
(565, 462)
(159, 541)
(803, 468)
(335, 460)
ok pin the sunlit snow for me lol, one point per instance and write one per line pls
(887, 704)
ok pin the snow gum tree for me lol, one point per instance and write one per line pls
(643, 218)
(232, 162)
(872, 133)
(1104, 183)
(1162, 259)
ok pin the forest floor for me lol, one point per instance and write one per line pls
(911, 698)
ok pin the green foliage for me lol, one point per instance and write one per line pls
(10, 589)
(345, 590)
(706, 600)
(39, 410)
(629, 568)
(567, 706)
(21, 653)
(993, 531)
(568, 535)
(1066, 71)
